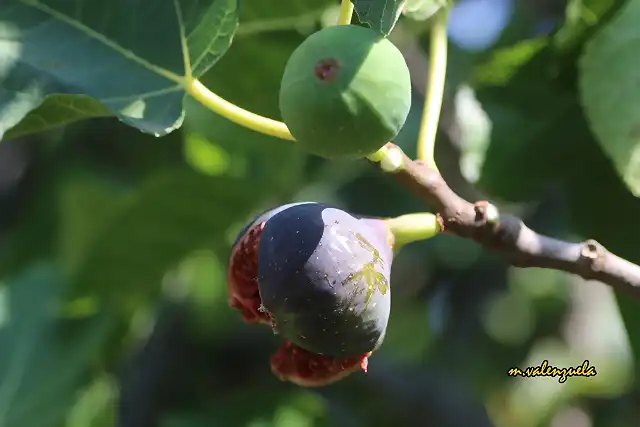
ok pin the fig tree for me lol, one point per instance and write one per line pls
(320, 278)
(345, 92)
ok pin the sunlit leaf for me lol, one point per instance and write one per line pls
(131, 57)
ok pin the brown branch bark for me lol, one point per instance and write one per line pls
(522, 246)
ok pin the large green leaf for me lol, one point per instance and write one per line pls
(610, 91)
(43, 363)
(58, 110)
(131, 58)
(150, 230)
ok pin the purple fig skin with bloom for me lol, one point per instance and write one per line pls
(319, 276)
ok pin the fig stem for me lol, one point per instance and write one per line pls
(239, 115)
(236, 114)
(412, 228)
(435, 88)
(346, 12)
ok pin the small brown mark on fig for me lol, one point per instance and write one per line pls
(326, 69)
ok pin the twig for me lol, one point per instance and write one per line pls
(508, 234)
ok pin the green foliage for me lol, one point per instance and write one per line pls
(248, 155)
(45, 358)
(153, 50)
(580, 15)
(542, 107)
(610, 90)
(96, 405)
(58, 110)
(292, 11)
(107, 223)
(537, 109)
(145, 234)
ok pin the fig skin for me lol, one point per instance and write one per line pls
(345, 92)
(260, 218)
(242, 270)
(323, 276)
(291, 362)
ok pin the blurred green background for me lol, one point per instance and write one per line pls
(113, 247)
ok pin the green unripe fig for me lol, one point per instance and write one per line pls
(345, 92)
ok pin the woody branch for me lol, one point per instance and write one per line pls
(508, 235)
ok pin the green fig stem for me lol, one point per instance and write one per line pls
(412, 228)
(346, 12)
(236, 114)
(389, 157)
(435, 88)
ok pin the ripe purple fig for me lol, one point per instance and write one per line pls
(320, 277)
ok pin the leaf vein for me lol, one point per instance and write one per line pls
(105, 41)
